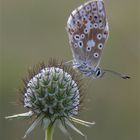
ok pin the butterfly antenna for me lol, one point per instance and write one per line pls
(123, 76)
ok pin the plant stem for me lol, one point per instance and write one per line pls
(49, 132)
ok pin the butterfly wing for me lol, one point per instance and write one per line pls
(88, 30)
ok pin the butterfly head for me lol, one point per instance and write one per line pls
(88, 70)
(98, 73)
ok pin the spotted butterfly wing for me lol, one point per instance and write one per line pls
(87, 29)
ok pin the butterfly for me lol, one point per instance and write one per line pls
(88, 31)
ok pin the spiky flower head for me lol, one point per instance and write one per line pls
(53, 94)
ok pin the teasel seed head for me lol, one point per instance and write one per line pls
(53, 94)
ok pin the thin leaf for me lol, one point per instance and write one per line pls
(75, 129)
(64, 130)
(85, 123)
(35, 123)
(19, 116)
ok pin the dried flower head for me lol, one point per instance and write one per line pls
(53, 94)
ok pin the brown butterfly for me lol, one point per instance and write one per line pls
(88, 30)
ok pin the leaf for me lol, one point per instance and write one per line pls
(85, 123)
(64, 130)
(34, 124)
(75, 129)
(19, 116)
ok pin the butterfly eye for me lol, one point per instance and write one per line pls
(96, 55)
(77, 37)
(100, 46)
(80, 44)
(98, 72)
(99, 36)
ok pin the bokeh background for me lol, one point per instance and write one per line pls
(34, 30)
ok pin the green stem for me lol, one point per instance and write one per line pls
(49, 132)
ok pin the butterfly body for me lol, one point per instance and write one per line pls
(87, 70)
(88, 30)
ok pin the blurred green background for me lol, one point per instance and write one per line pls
(34, 30)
